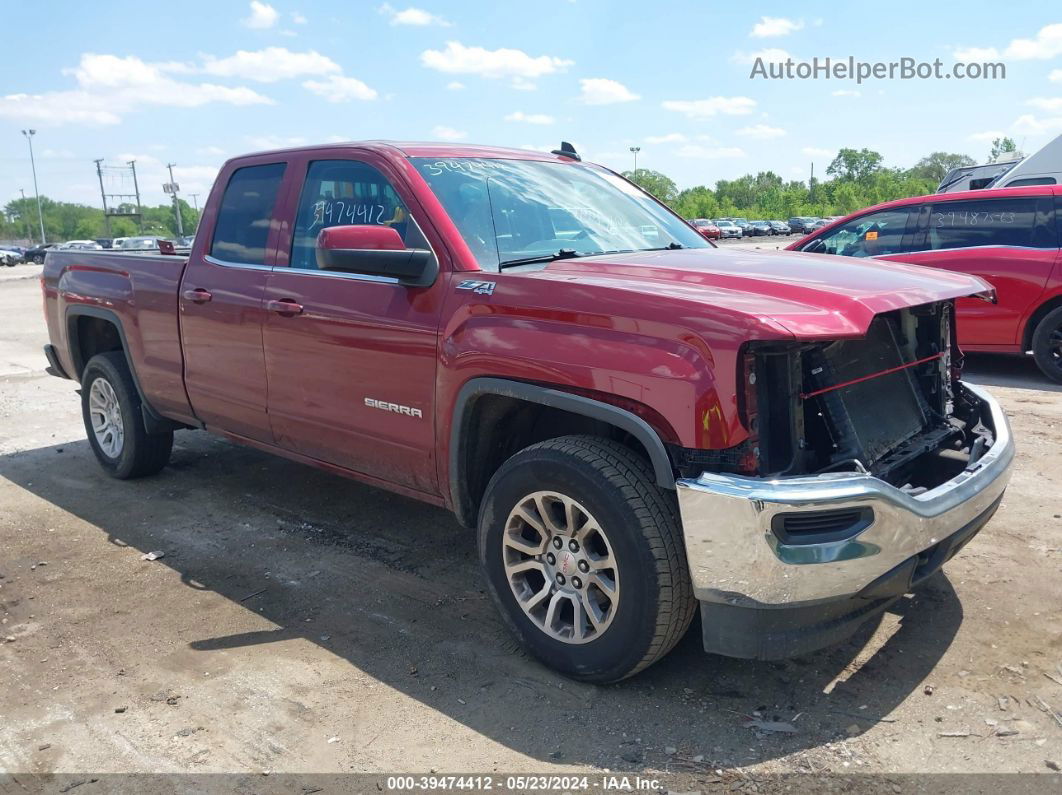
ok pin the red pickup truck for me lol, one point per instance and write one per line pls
(638, 424)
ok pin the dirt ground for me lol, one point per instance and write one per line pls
(300, 622)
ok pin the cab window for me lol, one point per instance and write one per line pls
(870, 235)
(1024, 222)
(343, 193)
(246, 211)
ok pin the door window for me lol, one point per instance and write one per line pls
(1024, 222)
(242, 228)
(867, 236)
(342, 193)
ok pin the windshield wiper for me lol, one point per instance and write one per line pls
(668, 247)
(564, 253)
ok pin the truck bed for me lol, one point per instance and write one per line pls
(140, 289)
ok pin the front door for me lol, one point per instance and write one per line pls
(351, 359)
(221, 308)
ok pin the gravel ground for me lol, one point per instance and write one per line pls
(300, 622)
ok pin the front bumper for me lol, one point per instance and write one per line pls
(737, 560)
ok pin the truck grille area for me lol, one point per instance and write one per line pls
(885, 404)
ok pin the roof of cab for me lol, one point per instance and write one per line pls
(426, 149)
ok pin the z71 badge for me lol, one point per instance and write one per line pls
(477, 286)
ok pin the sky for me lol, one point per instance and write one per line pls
(193, 83)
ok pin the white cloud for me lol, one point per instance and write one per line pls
(1047, 43)
(56, 154)
(709, 153)
(770, 27)
(1052, 104)
(298, 18)
(987, 136)
(530, 118)
(456, 58)
(813, 151)
(412, 16)
(339, 88)
(1055, 76)
(846, 92)
(444, 133)
(713, 106)
(269, 64)
(523, 84)
(769, 55)
(761, 132)
(262, 16)
(455, 85)
(669, 138)
(109, 86)
(602, 91)
(212, 151)
(1031, 125)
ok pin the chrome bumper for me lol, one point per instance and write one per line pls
(735, 558)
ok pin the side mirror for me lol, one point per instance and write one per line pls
(816, 246)
(375, 251)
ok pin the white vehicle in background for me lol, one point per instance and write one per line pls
(79, 245)
(117, 242)
(9, 258)
(1043, 167)
(728, 229)
(143, 243)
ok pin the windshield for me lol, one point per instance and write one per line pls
(510, 210)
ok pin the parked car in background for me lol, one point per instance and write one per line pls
(780, 227)
(728, 228)
(79, 245)
(9, 258)
(1007, 236)
(185, 242)
(706, 227)
(760, 228)
(742, 224)
(143, 243)
(801, 224)
(36, 253)
(105, 242)
(759, 436)
(117, 242)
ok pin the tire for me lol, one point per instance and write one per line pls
(640, 536)
(39, 259)
(1047, 345)
(128, 451)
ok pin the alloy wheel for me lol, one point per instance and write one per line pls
(106, 416)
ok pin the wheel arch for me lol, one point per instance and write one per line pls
(78, 349)
(467, 484)
(1042, 311)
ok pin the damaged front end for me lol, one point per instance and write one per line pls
(868, 465)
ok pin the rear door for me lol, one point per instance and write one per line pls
(351, 359)
(1010, 242)
(221, 298)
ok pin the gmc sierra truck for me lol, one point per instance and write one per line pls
(636, 423)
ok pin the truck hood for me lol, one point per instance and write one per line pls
(807, 296)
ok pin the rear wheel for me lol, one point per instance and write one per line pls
(1047, 345)
(584, 557)
(111, 408)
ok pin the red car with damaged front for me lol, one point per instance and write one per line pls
(1009, 237)
(638, 425)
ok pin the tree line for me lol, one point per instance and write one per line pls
(69, 221)
(857, 178)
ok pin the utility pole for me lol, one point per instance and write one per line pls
(195, 201)
(103, 194)
(139, 211)
(176, 201)
(25, 218)
(811, 183)
(40, 213)
(634, 151)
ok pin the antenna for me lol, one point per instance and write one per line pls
(566, 150)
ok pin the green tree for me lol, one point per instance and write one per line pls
(935, 166)
(1002, 146)
(854, 164)
(656, 183)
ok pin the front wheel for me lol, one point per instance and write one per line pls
(1047, 345)
(584, 557)
(111, 408)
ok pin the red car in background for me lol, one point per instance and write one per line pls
(706, 227)
(1009, 237)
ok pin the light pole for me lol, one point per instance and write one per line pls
(25, 218)
(634, 151)
(40, 214)
(176, 202)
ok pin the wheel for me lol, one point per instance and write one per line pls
(110, 406)
(1047, 345)
(584, 557)
(38, 258)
